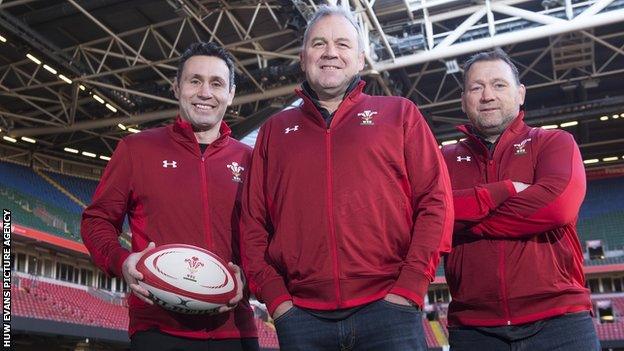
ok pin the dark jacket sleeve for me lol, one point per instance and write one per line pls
(552, 201)
(102, 221)
(264, 280)
(432, 205)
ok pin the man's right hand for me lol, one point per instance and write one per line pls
(282, 308)
(132, 276)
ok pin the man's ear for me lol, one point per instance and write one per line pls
(176, 88)
(361, 61)
(521, 93)
(231, 95)
(302, 61)
(463, 106)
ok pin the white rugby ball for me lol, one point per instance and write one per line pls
(187, 279)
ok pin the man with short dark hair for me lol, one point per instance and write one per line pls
(516, 268)
(178, 184)
(347, 208)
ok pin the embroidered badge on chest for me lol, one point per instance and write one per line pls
(236, 170)
(367, 117)
(521, 148)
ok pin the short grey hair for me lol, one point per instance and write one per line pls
(327, 10)
(494, 55)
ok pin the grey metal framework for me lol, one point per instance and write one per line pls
(78, 75)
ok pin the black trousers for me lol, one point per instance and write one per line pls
(155, 340)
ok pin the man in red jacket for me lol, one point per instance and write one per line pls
(347, 207)
(178, 184)
(516, 269)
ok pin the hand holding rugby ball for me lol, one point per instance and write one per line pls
(187, 279)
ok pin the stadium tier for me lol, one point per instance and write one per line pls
(605, 261)
(267, 336)
(603, 196)
(44, 300)
(46, 201)
(433, 338)
(26, 181)
(602, 213)
(22, 211)
(611, 331)
(50, 202)
(601, 216)
(81, 188)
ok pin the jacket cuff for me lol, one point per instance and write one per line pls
(273, 293)
(499, 192)
(117, 259)
(477, 230)
(412, 286)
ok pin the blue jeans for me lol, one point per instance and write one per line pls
(572, 332)
(379, 326)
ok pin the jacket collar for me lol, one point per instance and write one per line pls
(182, 132)
(307, 89)
(310, 107)
(516, 127)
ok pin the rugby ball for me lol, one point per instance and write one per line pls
(187, 279)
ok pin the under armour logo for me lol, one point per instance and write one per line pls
(172, 164)
(293, 129)
(466, 158)
(520, 148)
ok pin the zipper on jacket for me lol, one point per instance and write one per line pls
(330, 217)
(503, 285)
(204, 196)
(490, 176)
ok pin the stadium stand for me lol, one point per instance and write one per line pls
(605, 261)
(81, 188)
(266, 335)
(69, 303)
(24, 180)
(430, 336)
(602, 213)
(603, 196)
(38, 204)
(612, 331)
(33, 213)
(63, 303)
(47, 201)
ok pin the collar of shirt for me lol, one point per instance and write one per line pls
(488, 144)
(307, 89)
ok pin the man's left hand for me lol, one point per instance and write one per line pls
(399, 300)
(239, 294)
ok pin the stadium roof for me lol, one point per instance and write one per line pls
(80, 74)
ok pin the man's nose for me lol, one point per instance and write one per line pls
(330, 51)
(487, 94)
(205, 91)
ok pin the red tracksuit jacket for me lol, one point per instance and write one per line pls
(516, 257)
(171, 194)
(339, 216)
